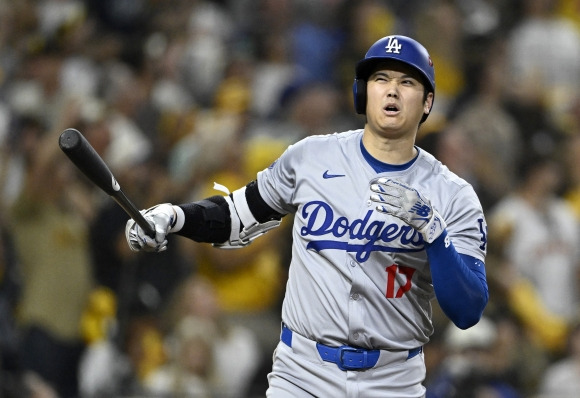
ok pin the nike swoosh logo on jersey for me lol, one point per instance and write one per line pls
(327, 175)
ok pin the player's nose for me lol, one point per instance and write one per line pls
(392, 90)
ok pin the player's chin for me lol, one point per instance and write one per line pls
(390, 126)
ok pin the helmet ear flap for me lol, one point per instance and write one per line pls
(359, 89)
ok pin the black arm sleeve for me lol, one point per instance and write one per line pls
(209, 221)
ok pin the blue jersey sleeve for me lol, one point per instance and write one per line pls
(459, 282)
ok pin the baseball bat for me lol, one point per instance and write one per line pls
(87, 160)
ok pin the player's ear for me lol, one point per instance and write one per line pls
(428, 103)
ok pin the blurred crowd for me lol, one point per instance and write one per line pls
(178, 94)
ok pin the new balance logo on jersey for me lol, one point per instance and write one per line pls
(393, 46)
(327, 175)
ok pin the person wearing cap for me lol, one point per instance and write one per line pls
(380, 229)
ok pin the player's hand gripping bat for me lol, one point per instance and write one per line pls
(84, 156)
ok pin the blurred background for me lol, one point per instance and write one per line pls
(177, 94)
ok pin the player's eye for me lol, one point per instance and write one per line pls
(379, 77)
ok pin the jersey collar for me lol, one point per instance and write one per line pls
(381, 167)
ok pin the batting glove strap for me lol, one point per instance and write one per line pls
(179, 219)
(434, 228)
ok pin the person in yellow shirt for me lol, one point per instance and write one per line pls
(249, 283)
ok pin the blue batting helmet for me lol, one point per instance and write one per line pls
(398, 48)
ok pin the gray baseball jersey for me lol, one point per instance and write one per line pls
(357, 276)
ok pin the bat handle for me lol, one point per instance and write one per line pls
(135, 214)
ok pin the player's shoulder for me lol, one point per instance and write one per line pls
(326, 142)
(337, 137)
(437, 169)
(436, 176)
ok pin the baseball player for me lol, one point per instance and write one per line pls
(381, 228)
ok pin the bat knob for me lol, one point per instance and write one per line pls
(69, 140)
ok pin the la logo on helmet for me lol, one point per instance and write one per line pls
(393, 45)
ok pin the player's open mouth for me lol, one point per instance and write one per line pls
(391, 109)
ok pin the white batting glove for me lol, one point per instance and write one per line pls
(404, 202)
(164, 218)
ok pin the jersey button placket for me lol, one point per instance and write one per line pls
(356, 303)
(354, 297)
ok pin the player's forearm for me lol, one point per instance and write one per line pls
(459, 282)
(207, 220)
(229, 222)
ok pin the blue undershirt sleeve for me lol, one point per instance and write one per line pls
(459, 282)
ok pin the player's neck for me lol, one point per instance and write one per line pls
(387, 150)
